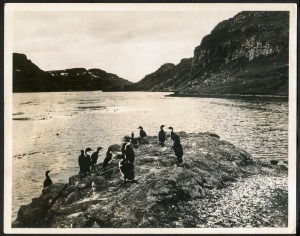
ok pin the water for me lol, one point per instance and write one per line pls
(50, 129)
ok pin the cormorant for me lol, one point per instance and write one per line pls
(47, 181)
(81, 163)
(143, 136)
(174, 136)
(126, 140)
(88, 161)
(142, 132)
(127, 170)
(108, 158)
(176, 146)
(94, 157)
(127, 151)
(162, 136)
(126, 164)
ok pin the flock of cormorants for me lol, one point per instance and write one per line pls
(87, 161)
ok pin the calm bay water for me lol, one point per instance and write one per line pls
(50, 129)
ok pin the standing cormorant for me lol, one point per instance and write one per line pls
(88, 161)
(81, 163)
(162, 136)
(126, 140)
(47, 181)
(142, 132)
(174, 136)
(129, 154)
(108, 158)
(176, 146)
(126, 164)
(94, 157)
(127, 171)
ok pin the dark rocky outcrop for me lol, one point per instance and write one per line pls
(27, 77)
(35, 214)
(247, 54)
(104, 200)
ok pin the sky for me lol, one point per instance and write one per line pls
(130, 44)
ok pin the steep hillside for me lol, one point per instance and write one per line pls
(247, 54)
(27, 77)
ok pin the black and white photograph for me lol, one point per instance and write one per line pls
(150, 118)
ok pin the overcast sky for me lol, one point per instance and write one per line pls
(129, 44)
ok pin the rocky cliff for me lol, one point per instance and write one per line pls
(27, 77)
(195, 194)
(247, 54)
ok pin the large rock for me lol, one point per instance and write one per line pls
(102, 199)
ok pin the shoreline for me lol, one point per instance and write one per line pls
(174, 94)
(232, 96)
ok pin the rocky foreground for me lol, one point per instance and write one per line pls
(218, 185)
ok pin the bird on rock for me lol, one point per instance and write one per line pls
(162, 136)
(47, 181)
(177, 147)
(142, 132)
